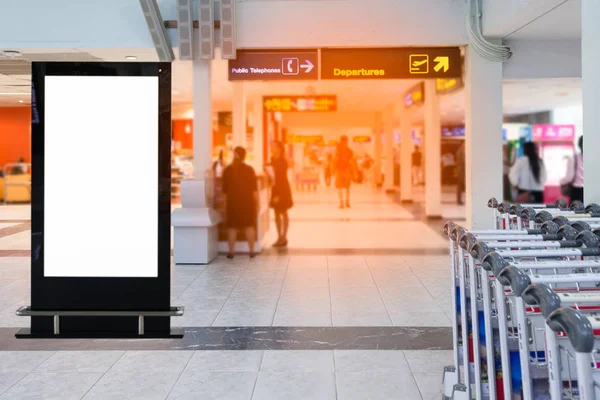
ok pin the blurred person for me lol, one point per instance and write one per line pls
(343, 164)
(460, 173)
(508, 159)
(328, 169)
(219, 165)
(281, 193)
(573, 180)
(20, 168)
(528, 176)
(448, 167)
(241, 200)
(417, 165)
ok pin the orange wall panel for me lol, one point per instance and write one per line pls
(15, 134)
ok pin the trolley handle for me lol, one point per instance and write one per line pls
(494, 262)
(503, 207)
(567, 232)
(542, 295)
(589, 239)
(517, 279)
(467, 241)
(457, 232)
(515, 209)
(528, 213)
(577, 206)
(576, 325)
(542, 216)
(592, 208)
(549, 228)
(581, 226)
(448, 228)
(492, 203)
(560, 203)
(479, 250)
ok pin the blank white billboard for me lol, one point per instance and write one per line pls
(101, 176)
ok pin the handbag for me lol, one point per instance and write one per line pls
(567, 188)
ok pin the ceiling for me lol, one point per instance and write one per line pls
(563, 22)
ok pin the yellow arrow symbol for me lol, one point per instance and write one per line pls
(442, 62)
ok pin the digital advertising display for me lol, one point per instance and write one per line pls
(101, 145)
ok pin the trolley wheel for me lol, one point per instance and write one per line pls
(449, 380)
(459, 392)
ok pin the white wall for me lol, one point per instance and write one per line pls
(536, 59)
(309, 23)
(503, 17)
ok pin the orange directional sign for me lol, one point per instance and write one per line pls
(391, 63)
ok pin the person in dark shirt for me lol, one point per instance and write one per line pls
(417, 164)
(241, 200)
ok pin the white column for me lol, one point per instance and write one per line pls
(406, 148)
(202, 106)
(378, 150)
(239, 115)
(590, 32)
(195, 225)
(388, 126)
(483, 137)
(257, 124)
(433, 140)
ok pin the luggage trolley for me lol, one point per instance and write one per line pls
(529, 322)
(555, 261)
(474, 316)
(559, 357)
(573, 336)
(457, 253)
(455, 232)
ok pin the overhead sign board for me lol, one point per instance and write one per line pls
(391, 63)
(274, 65)
(415, 96)
(362, 139)
(300, 103)
(448, 85)
(308, 139)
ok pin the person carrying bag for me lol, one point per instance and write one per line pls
(528, 176)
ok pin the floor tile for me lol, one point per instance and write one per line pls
(375, 386)
(287, 317)
(295, 386)
(430, 385)
(225, 361)
(133, 385)
(298, 361)
(80, 361)
(237, 318)
(365, 319)
(52, 386)
(419, 318)
(214, 386)
(22, 361)
(152, 361)
(370, 361)
(8, 379)
(428, 361)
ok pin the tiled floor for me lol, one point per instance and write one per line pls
(394, 274)
(249, 374)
